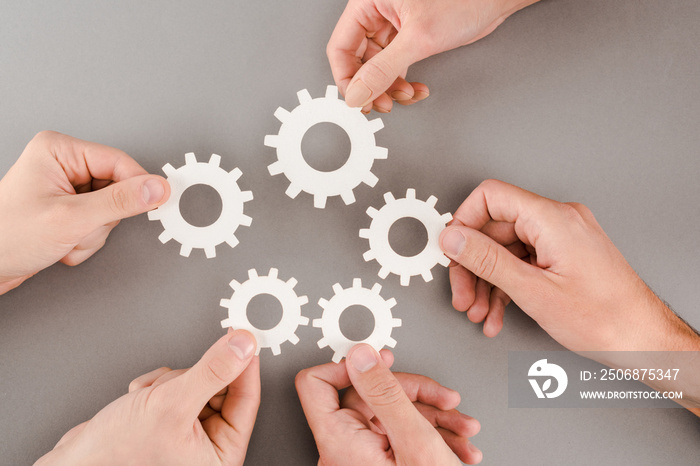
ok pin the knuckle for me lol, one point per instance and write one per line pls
(385, 393)
(217, 372)
(378, 73)
(486, 262)
(302, 379)
(120, 200)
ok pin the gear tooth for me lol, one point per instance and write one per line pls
(271, 140)
(337, 288)
(319, 201)
(275, 349)
(427, 275)
(275, 168)
(383, 272)
(246, 196)
(323, 303)
(405, 280)
(226, 323)
(377, 288)
(332, 92)
(381, 153)
(317, 324)
(282, 114)
(348, 197)
(293, 190)
(165, 237)
(432, 200)
(364, 233)
(446, 218)
(235, 285)
(273, 272)
(303, 320)
(410, 193)
(168, 169)
(390, 342)
(391, 302)
(190, 158)
(369, 255)
(293, 339)
(444, 261)
(210, 251)
(357, 283)
(322, 343)
(388, 197)
(224, 302)
(396, 323)
(252, 274)
(303, 300)
(337, 357)
(370, 179)
(292, 282)
(375, 125)
(372, 212)
(185, 250)
(245, 220)
(154, 215)
(215, 160)
(304, 96)
(235, 174)
(232, 241)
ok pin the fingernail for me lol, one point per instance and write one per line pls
(381, 109)
(400, 96)
(357, 94)
(420, 95)
(242, 344)
(472, 448)
(152, 191)
(453, 242)
(363, 358)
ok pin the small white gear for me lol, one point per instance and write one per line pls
(301, 176)
(329, 322)
(378, 236)
(285, 294)
(232, 200)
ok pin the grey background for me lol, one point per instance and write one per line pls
(594, 101)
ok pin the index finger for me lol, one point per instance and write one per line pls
(345, 47)
(495, 200)
(83, 161)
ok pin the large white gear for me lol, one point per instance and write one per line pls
(329, 322)
(301, 176)
(378, 236)
(232, 200)
(285, 294)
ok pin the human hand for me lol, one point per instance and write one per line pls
(375, 41)
(383, 418)
(61, 199)
(204, 415)
(560, 267)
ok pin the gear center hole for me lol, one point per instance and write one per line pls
(408, 237)
(200, 205)
(264, 311)
(356, 322)
(326, 147)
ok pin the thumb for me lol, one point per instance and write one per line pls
(490, 261)
(124, 199)
(380, 72)
(219, 367)
(385, 397)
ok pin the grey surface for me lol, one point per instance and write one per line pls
(594, 101)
